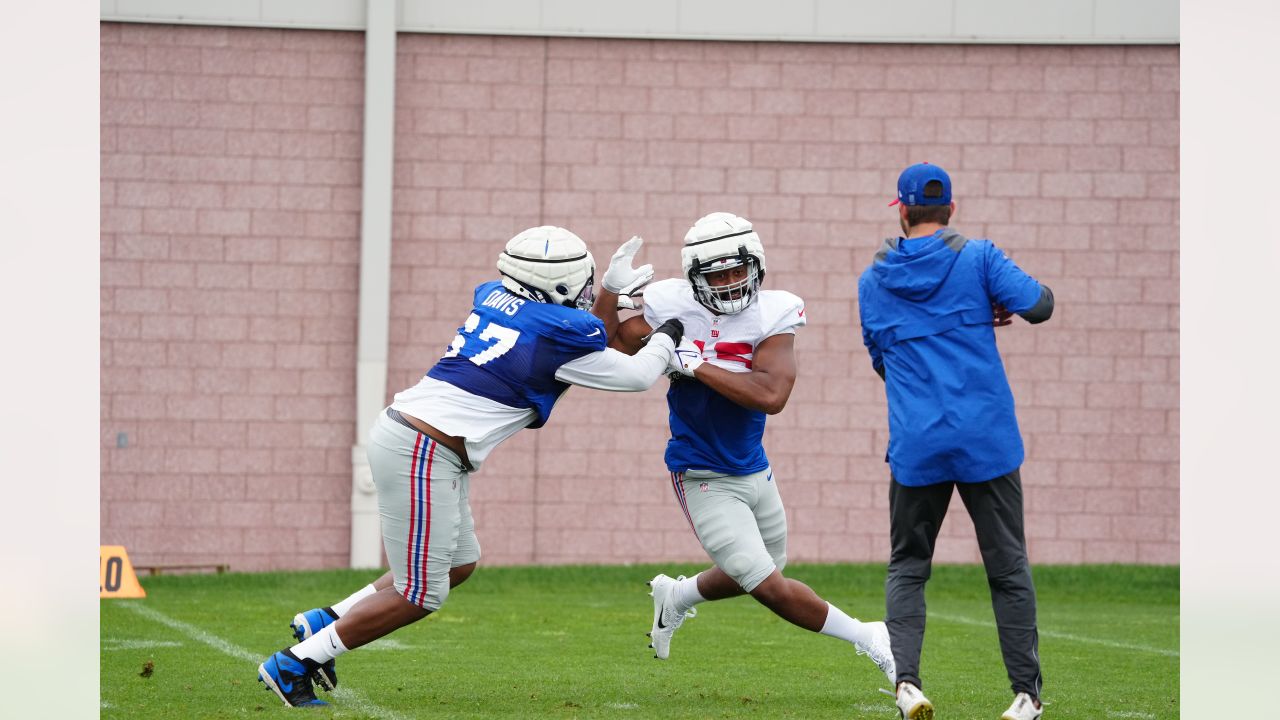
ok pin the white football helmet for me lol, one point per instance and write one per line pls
(721, 241)
(551, 265)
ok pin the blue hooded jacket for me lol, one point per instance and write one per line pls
(925, 305)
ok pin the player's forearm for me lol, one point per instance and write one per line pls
(612, 370)
(766, 392)
(605, 307)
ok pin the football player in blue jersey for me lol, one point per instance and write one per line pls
(528, 338)
(735, 366)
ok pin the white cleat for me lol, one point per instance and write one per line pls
(880, 651)
(1023, 708)
(912, 704)
(666, 620)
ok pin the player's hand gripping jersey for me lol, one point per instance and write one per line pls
(709, 431)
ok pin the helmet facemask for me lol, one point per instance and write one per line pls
(733, 297)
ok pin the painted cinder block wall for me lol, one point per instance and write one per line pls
(230, 245)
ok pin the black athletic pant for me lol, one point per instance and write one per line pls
(915, 516)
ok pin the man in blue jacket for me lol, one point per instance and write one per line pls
(929, 303)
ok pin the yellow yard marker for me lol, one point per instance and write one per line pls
(117, 579)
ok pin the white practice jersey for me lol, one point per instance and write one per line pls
(727, 341)
(709, 431)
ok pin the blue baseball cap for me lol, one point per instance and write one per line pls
(912, 181)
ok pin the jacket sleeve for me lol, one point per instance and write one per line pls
(1013, 288)
(877, 357)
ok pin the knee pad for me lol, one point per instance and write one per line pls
(738, 565)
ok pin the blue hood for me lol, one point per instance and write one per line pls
(917, 274)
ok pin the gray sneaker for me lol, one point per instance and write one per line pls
(666, 620)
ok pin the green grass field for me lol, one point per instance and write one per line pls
(568, 642)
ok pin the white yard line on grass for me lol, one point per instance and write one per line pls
(1129, 714)
(110, 644)
(351, 699)
(1063, 636)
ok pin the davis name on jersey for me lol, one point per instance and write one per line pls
(509, 349)
(709, 431)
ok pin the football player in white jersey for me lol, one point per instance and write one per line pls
(735, 365)
(528, 337)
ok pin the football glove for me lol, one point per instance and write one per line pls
(686, 358)
(621, 277)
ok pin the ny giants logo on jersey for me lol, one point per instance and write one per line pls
(504, 301)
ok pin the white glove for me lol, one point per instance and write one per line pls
(686, 358)
(632, 300)
(621, 278)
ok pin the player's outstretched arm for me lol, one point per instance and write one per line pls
(609, 369)
(767, 386)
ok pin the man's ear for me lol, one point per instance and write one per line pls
(953, 208)
(902, 212)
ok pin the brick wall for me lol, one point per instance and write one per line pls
(1066, 157)
(230, 250)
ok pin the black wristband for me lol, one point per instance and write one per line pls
(672, 328)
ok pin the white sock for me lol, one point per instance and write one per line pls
(343, 607)
(686, 595)
(321, 647)
(839, 625)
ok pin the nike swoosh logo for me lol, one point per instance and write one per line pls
(661, 625)
(597, 332)
(285, 688)
(334, 645)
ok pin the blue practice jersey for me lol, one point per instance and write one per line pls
(509, 349)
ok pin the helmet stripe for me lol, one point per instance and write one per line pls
(543, 260)
(720, 237)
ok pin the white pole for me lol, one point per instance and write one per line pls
(375, 270)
